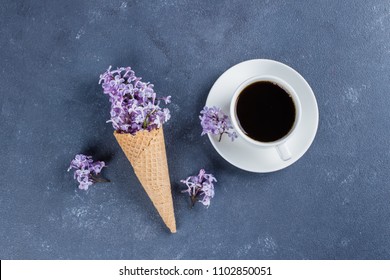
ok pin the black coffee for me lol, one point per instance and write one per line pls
(265, 111)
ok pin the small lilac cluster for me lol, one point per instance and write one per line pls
(214, 121)
(200, 188)
(86, 170)
(134, 105)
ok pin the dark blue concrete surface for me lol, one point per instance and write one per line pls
(334, 203)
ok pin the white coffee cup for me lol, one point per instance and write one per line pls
(281, 145)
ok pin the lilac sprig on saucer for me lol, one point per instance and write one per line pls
(134, 105)
(87, 171)
(213, 120)
(200, 188)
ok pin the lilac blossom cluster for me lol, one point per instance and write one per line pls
(200, 188)
(86, 170)
(216, 122)
(134, 105)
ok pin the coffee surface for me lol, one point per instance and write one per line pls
(265, 111)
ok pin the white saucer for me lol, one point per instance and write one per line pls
(245, 155)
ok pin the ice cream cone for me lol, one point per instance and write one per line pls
(146, 153)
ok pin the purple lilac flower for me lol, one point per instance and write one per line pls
(134, 104)
(86, 170)
(216, 122)
(200, 188)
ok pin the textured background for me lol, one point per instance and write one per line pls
(334, 203)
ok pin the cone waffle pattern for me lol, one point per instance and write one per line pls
(146, 153)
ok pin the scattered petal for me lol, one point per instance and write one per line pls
(216, 122)
(85, 169)
(200, 188)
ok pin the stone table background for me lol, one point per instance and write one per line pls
(334, 203)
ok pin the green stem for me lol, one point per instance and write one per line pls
(99, 179)
(193, 201)
(193, 198)
(145, 123)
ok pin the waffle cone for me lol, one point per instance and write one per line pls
(146, 153)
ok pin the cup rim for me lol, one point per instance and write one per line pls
(284, 85)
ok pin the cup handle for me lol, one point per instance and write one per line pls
(283, 151)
